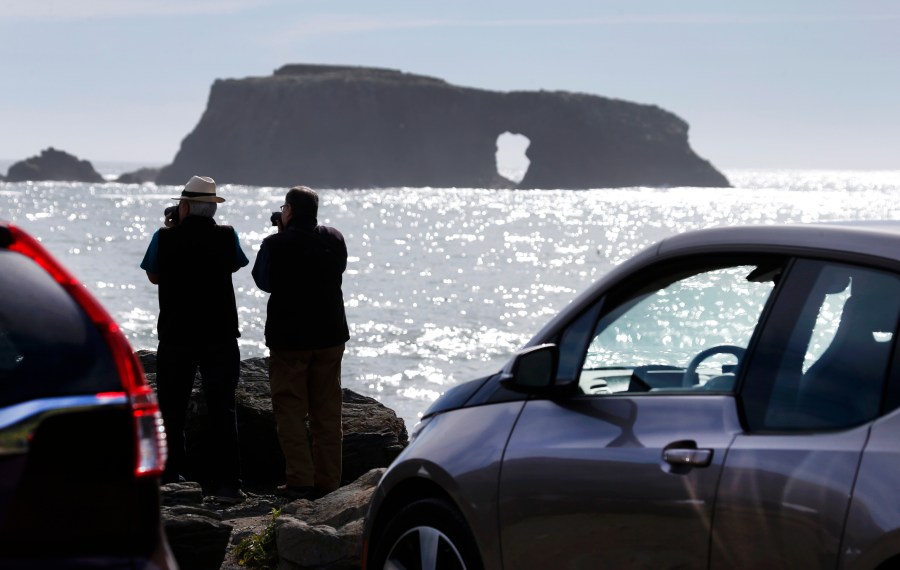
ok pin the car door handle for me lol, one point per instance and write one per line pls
(688, 457)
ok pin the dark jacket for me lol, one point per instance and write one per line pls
(196, 297)
(301, 267)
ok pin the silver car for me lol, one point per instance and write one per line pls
(725, 399)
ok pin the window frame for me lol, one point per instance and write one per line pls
(662, 274)
(786, 306)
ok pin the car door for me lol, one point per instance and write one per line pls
(623, 472)
(809, 395)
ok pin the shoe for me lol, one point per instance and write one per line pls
(293, 493)
(229, 495)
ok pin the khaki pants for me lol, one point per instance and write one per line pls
(307, 383)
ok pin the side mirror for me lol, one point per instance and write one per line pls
(532, 370)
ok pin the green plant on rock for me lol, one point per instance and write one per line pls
(258, 551)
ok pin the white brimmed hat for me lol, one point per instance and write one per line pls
(200, 189)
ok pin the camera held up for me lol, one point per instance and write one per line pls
(171, 215)
(275, 218)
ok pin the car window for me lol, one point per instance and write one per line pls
(685, 335)
(832, 369)
(48, 346)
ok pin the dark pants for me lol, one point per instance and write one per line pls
(306, 385)
(219, 365)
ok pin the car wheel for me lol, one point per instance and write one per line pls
(426, 535)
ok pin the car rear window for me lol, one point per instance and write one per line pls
(48, 346)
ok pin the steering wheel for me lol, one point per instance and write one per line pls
(691, 379)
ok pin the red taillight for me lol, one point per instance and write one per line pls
(151, 454)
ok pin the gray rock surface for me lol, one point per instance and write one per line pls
(325, 534)
(357, 127)
(53, 164)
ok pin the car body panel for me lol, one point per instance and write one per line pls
(568, 462)
(784, 498)
(872, 534)
(465, 465)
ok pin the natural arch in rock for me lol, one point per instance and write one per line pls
(512, 158)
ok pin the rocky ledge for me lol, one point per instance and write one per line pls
(322, 534)
(267, 531)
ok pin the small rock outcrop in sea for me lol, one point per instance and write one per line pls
(53, 164)
(139, 176)
(357, 127)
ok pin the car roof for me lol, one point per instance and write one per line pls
(866, 239)
(879, 238)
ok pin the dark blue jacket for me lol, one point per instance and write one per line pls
(302, 267)
(195, 261)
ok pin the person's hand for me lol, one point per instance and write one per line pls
(170, 216)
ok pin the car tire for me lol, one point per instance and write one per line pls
(431, 523)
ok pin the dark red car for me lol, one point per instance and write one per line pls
(82, 444)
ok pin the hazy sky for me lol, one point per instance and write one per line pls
(762, 83)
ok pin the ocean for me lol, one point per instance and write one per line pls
(443, 284)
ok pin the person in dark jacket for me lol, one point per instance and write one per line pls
(301, 267)
(192, 263)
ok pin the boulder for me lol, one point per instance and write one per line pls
(198, 537)
(326, 533)
(358, 127)
(53, 164)
(373, 434)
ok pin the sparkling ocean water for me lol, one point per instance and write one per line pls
(443, 284)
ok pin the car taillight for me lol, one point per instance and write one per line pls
(151, 448)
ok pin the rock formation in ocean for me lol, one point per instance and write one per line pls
(139, 176)
(357, 127)
(53, 164)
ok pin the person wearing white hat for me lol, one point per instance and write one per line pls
(192, 263)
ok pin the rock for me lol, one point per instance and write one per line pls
(326, 533)
(53, 164)
(357, 127)
(198, 537)
(139, 176)
(373, 434)
(181, 494)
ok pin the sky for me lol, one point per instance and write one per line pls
(807, 84)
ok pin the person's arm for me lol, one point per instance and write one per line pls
(240, 259)
(150, 263)
(260, 270)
